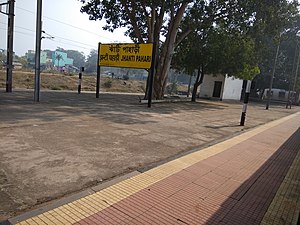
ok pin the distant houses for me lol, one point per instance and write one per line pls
(52, 60)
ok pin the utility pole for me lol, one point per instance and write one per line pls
(10, 39)
(297, 67)
(295, 79)
(38, 51)
(272, 77)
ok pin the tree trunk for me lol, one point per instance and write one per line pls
(163, 61)
(189, 87)
(147, 86)
(198, 82)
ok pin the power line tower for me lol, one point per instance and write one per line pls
(10, 12)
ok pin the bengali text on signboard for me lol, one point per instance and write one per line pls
(126, 55)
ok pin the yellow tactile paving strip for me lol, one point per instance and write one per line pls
(75, 211)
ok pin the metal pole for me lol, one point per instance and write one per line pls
(80, 79)
(288, 102)
(296, 75)
(272, 78)
(246, 100)
(98, 72)
(10, 44)
(152, 75)
(38, 51)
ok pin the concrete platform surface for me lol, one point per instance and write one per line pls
(68, 142)
(252, 178)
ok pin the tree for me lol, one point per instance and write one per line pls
(273, 23)
(23, 61)
(58, 57)
(78, 57)
(91, 62)
(217, 50)
(166, 23)
(2, 58)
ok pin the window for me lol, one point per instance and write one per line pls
(281, 94)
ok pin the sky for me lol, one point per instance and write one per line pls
(63, 20)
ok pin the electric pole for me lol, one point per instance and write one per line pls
(10, 39)
(38, 51)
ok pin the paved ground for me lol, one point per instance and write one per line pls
(67, 142)
(250, 179)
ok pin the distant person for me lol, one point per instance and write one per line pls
(289, 102)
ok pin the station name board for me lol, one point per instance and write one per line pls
(126, 55)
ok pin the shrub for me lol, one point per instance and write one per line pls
(172, 88)
(125, 77)
(108, 83)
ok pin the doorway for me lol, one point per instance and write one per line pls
(217, 89)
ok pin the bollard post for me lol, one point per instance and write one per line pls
(80, 79)
(246, 100)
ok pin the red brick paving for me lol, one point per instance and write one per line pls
(235, 186)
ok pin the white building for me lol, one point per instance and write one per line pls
(281, 95)
(221, 87)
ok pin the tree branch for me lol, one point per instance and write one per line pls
(182, 37)
(134, 24)
(172, 9)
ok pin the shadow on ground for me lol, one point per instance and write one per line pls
(249, 203)
(117, 108)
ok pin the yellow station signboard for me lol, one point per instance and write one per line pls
(126, 55)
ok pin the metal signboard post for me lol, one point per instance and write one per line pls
(139, 56)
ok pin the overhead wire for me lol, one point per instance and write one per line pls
(67, 24)
(19, 32)
(58, 41)
(58, 37)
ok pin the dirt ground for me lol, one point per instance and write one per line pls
(68, 142)
(59, 81)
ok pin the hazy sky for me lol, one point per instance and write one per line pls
(80, 34)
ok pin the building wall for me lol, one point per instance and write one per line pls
(207, 87)
(232, 88)
(63, 61)
(43, 57)
(277, 94)
(31, 57)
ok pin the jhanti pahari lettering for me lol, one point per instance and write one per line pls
(128, 58)
(143, 58)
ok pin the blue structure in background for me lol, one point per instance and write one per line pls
(64, 60)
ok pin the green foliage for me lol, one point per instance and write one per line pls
(125, 77)
(172, 88)
(219, 52)
(275, 25)
(224, 36)
(2, 58)
(297, 86)
(78, 57)
(108, 83)
(23, 61)
(91, 62)
(163, 22)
